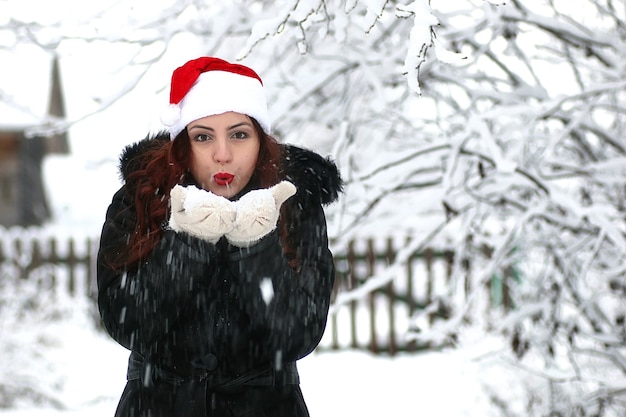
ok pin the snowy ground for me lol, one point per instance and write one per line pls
(334, 383)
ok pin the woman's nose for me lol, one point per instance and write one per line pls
(223, 153)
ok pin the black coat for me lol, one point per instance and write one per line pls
(203, 341)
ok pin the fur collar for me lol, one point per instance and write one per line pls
(316, 178)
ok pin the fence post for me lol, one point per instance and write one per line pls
(371, 264)
(36, 260)
(90, 261)
(391, 297)
(467, 285)
(351, 285)
(71, 263)
(332, 318)
(428, 259)
(411, 345)
(509, 275)
(53, 258)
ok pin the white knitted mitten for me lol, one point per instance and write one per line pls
(200, 213)
(257, 213)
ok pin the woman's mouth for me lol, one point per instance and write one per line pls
(223, 178)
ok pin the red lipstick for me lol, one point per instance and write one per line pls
(223, 178)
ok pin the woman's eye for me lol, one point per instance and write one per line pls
(240, 135)
(202, 137)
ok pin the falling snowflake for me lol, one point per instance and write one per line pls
(267, 290)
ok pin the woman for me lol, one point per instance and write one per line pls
(214, 268)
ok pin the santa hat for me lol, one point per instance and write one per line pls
(207, 86)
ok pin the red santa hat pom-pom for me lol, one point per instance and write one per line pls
(170, 115)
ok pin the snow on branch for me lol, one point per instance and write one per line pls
(420, 39)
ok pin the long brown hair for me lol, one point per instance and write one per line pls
(160, 169)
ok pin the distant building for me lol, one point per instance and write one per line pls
(25, 139)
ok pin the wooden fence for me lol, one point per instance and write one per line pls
(60, 264)
(377, 320)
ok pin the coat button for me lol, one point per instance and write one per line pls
(210, 362)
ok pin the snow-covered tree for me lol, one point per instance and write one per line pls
(495, 129)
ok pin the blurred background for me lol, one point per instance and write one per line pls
(481, 240)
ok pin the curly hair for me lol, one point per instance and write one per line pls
(161, 168)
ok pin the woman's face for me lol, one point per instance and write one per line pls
(225, 149)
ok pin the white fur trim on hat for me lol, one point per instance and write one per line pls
(170, 115)
(217, 92)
